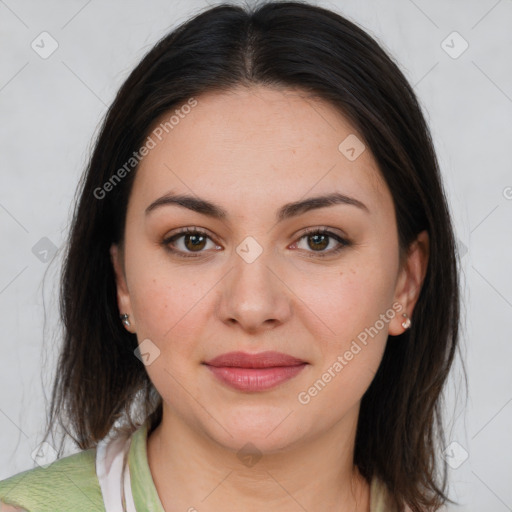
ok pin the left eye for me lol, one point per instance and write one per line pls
(319, 239)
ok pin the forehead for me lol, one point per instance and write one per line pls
(257, 144)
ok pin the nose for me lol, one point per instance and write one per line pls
(254, 296)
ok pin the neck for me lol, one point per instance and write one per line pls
(193, 471)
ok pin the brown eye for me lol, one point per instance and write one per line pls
(187, 241)
(194, 242)
(319, 239)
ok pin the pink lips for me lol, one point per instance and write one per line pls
(255, 372)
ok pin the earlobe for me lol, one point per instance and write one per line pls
(410, 282)
(123, 296)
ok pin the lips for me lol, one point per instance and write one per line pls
(254, 372)
(267, 359)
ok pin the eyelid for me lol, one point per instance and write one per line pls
(316, 229)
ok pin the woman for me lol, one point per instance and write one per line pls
(260, 295)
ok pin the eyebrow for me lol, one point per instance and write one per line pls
(287, 211)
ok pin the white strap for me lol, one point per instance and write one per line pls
(114, 474)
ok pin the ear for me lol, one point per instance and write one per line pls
(410, 281)
(123, 295)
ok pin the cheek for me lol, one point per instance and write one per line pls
(352, 344)
(355, 307)
(165, 300)
(345, 301)
(166, 309)
(168, 312)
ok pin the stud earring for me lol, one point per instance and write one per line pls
(124, 318)
(407, 322)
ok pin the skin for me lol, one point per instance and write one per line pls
(251, 150)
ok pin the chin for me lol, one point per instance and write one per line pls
(268, 429)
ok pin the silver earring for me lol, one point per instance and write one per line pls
(124, 318)
(407, 322)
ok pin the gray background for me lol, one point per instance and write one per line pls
(50, 109)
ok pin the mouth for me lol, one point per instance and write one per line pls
(255, 372)
(267, 359)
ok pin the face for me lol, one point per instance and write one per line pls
(263, 277)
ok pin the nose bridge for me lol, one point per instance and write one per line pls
(252, 294)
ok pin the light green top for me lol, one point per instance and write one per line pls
(71, 484)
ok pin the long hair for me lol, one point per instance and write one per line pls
(100, 384)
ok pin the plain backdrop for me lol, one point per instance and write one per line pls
(50, 109)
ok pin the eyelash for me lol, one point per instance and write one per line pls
(309, 232)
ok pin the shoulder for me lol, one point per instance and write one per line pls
(69, 483)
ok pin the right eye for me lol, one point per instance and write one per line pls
(194, 240)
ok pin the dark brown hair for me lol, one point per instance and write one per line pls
(100, 384)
